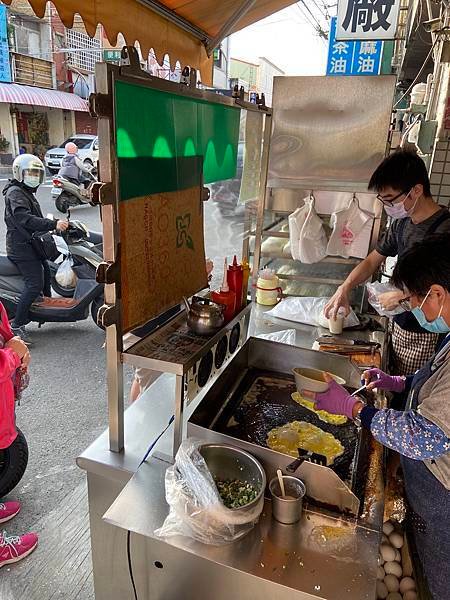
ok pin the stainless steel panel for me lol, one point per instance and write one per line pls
(319, 557)
(329, 132)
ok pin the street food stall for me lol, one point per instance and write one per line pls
(160, 144)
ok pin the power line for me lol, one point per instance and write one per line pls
(317, 25)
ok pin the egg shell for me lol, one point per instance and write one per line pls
(396, 539)
(382, 590)
(394, 596)
(387, 552)
(381, 560)
(398, 556)
(393, 568)
(388, 528)
(391, 583)
(406, 584)
(380, 573)
(384, 539)
(410, 595)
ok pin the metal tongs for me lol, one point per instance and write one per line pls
(314, 457)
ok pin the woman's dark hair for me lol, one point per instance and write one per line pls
(401, 171)
(425, 264)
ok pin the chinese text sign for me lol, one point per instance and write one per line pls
(5, 69)
(353, 58)
(367, 19)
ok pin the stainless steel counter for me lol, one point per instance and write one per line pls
(141, 508)
(319, 557)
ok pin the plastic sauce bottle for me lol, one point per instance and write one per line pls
(225, 296)
(268, 290)
(245, 277)
(235, 280)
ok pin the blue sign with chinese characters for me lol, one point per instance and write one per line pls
(352, 58)
(5, 68)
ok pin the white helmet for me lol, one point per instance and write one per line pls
(28, 169)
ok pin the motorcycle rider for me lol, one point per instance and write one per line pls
(72, 167)
(23, 217)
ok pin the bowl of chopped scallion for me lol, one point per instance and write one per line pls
(239, 477)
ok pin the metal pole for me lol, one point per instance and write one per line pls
(179, 410)
(261, 202)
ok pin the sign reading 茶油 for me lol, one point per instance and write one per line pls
(352, 57)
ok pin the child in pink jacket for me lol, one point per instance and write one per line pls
(14, 360)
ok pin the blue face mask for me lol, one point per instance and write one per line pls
(437, 326)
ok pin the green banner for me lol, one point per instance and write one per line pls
(164, 141)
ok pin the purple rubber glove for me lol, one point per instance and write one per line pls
(336, 400)
(375, 378)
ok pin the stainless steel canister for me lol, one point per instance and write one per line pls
(287, 510)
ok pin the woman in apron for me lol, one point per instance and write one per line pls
(421, 432)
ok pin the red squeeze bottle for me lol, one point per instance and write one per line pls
(235, 277)
(225, 296)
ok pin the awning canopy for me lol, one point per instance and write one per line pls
(186, 30)
(27, 94)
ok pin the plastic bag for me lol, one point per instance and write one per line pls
(296, 221)
(307, 310)
(375, 290)
(65, 275)
(313, 239)
(196, 510)
(287, 336)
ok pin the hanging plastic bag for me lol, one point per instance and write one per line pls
(352, 227)
(307, 310)
(313, 239)
(65, 275)
(196, 509)
(296, 221)
(379, 297)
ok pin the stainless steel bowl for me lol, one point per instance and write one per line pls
(230, 462)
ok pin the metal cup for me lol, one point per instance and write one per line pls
(287, 510)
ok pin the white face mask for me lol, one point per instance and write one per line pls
(32, 181)
(398, 210)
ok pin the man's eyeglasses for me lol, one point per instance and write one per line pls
(391, 201)
(405, 303)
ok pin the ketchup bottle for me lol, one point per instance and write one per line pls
(235, 277)
(225, 296)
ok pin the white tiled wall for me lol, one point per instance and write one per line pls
(440, 173)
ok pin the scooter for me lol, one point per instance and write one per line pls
(13, 463)
(67, 193)
(77, 247)
(87, 294)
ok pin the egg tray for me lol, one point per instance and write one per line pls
(263, 401)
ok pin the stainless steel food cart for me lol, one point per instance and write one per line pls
(332, 552)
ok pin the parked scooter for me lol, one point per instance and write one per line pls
(67, 193)
(87, 292)
(77, 247)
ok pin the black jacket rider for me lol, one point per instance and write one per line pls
(22, 207)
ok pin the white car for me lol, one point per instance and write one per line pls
(87, 151)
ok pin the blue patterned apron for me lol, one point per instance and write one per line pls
(429, 501)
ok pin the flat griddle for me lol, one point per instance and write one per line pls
(263, 401)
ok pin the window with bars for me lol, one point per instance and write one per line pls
(79, 41)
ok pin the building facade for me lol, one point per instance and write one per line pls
(254, 77)
(42, 101)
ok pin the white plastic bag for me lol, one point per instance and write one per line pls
(196, 509)
(313, 239)
(65, 275)
(287, 336)
(296, 221)
(351, 232)
(374, 291)
(307, 310)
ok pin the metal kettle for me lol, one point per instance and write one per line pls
(204, 316)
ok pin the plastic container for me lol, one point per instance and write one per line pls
(235, 280)
(336, 325)
(268, 290)
(225, 296)
(287, 509)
